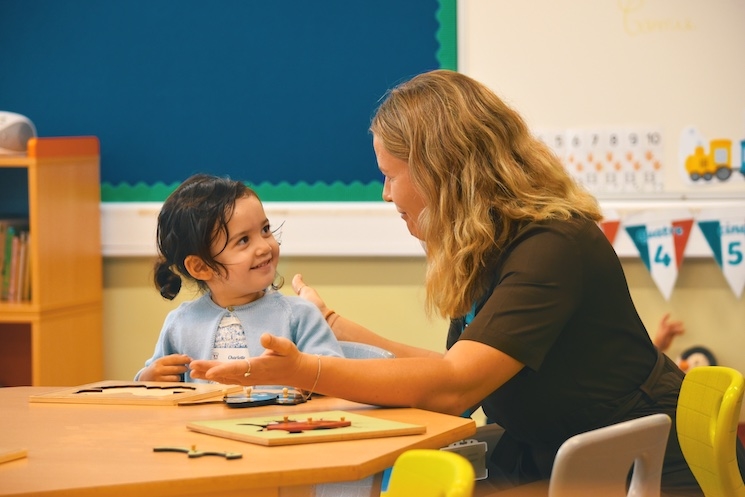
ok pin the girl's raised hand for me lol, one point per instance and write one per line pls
(308, 293)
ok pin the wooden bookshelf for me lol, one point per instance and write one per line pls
(55, 339)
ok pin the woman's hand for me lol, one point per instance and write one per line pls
(308, 293)
(278, 365)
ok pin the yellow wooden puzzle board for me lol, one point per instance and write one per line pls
(246, 429)
(146, 393)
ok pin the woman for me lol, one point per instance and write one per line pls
(544, 334)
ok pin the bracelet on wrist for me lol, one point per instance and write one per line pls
(333, 317)
(315, 383)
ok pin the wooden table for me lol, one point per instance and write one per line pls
(106, 450)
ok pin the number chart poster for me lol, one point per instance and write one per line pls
(638, 97)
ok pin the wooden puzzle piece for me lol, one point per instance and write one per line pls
(292, 426)
(193, 452)
(309, 424)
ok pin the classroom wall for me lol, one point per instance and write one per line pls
(386, 294)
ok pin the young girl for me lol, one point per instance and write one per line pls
(214, 231)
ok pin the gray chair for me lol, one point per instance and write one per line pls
(357, 350)
(597, 462)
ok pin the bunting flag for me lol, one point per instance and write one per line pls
(661, 241)
(610, 228)
(724, 231)
(610, 224)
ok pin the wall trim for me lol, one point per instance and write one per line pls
(365, 229)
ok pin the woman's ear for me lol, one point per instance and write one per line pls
(197, 268)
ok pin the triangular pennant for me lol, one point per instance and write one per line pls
(661, 243)
(638, 235)
(710, 230)
(726, 237)
(663, 265)
(681, 232)
(610, 229)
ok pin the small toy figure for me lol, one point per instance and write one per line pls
(694, 357)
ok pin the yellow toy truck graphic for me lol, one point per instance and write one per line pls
(717, 162)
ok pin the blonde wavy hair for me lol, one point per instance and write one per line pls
(482, 176)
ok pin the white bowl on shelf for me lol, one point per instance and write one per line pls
(15, 131)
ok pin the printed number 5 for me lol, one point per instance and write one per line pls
(736, 253)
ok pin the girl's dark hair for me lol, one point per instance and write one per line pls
(189, 221)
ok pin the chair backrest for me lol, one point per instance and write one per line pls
(430, 473)
(707, 416)
(597, 462)
(357, 350)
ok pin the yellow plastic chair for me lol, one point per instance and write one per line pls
(597, 463)
(430, 473)
(707, 416)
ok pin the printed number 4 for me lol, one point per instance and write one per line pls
(661, 257)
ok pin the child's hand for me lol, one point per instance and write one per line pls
(667, 331)
(308, 293)
(167, 368)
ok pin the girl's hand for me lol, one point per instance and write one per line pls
(308, 293)
(166, 368)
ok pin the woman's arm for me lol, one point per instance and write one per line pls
(452, 383)
(348, 330)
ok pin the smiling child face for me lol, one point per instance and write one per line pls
(250, 256)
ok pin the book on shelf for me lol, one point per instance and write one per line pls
(15, 275)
